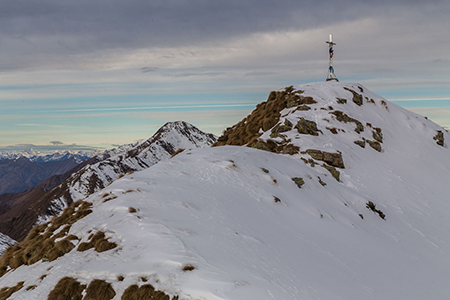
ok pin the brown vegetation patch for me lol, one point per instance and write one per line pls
(439, 138)
(188, 268)
(341, 100)
(6, 292)
(145, 292)
(132, 209)
(357, 98)
(99, 290)
(40, 244)
(265, 116)
(67, 288)
(98, 242)
(341, 117)
(333, 159)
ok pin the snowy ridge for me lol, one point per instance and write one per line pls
(5, 242)
(128, 159)
(36, 156)
(238, 223)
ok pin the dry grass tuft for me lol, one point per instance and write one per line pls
(145, 292)
(67, 288)
(98, 242)
(264, 117)
(99, 290)
(40, 243)
(6, 292)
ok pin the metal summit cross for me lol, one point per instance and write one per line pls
(331, 75)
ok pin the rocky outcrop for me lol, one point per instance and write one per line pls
(333, 159)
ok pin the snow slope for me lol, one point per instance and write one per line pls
(252, 232)
(5, 242)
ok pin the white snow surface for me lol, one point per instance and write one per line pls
(5, 242)
(214, 208)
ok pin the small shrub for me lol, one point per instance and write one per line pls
(265, 170)
(132, 210)
(120, 278)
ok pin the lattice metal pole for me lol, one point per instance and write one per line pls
(331, 75)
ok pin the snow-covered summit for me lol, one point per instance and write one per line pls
(315, 216)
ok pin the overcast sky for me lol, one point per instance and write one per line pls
(96, 73)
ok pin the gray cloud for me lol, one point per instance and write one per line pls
(34, 33)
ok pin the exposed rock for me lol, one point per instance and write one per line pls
(361, 143)
(370, 205)
(333, 159)
(377, 134)
(375, 145)
(272, 146)
(298, 181)
(281, 128)
(341, 100)
(335, 173)
(357, 98)
(333, 130)
(439, 138)
(307, 127)
(341, 117)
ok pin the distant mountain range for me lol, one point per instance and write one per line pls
(39, 157)
(17, 175)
